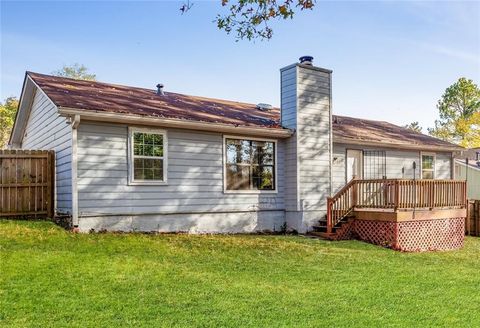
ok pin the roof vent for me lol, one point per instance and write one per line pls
(160, 90)
(264, 107)
(306, 60)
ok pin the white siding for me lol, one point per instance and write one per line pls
(313, 133)
(195, 176)
(45, 129)
(289, 120)
(306, 109)
(472, 177)
(443, 166)
(399, 163)
(338, 167)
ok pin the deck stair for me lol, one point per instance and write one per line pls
(339, 213)
(338, 231)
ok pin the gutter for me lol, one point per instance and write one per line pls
(175, 123)
(330, 134)
(347, 141)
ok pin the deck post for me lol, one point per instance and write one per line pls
(354, 195)
(397, 195)
(329, 215)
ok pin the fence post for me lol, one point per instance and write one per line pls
(476, 217)
(50, 184)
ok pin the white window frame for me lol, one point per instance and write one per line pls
(434, 155)
(275, 165)
(131, 180)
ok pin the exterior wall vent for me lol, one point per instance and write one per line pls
(264, 107)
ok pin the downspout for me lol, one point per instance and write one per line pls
(75, 124)
(331, 136)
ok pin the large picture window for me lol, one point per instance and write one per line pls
(428, 166)
(148, 150)
(249, 165)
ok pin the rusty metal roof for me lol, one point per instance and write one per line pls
(105, 97)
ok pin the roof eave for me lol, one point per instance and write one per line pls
(91, 115)
(21, 116)
(470, 166)
(352, 141)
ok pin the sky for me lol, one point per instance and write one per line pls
(391, 60)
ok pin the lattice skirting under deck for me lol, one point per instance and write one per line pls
(412, 236)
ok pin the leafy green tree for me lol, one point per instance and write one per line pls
(459, 110)
(8, 109)
(75, 71)
(414, 126)
(250, 19)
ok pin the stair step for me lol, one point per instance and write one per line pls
(324, 235)
(324, 229)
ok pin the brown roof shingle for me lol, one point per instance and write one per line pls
(105, 97)
(369, 131)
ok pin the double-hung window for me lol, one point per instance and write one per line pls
(249, 165)
(428, 166)
(147, 156)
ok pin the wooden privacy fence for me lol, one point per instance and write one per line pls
(472, 225)
(27, 183)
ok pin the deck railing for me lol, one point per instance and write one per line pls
(395, 194)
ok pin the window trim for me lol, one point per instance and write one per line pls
(434, 169)
(131, 180)
(224, 165)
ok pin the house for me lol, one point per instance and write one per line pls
(139, 159)
(467, 167)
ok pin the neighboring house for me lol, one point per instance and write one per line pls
(137, 159)
(467, 167)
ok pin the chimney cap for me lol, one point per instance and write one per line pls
(306, 60)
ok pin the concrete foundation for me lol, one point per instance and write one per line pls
(237, 222)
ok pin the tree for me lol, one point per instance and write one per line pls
(459, 110)
(250, 19)
(414, 126)
(75, 71)
(8, 109)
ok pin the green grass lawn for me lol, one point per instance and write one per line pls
(50, 277)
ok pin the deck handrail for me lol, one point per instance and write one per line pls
(395, 194)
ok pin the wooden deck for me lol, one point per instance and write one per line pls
(397, 200)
